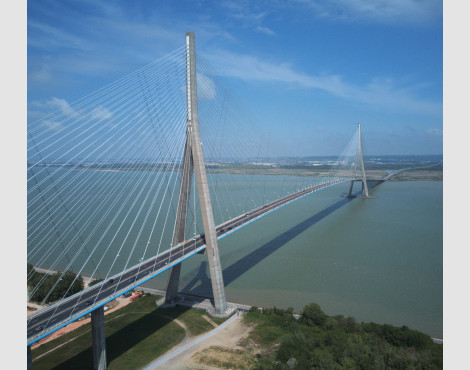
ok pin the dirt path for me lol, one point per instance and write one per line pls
(210, 321)
(180, 323)
(227, 337)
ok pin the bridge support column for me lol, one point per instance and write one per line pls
(350, 189)
(181, 217)
(201, 179)
(30, 359)
(194, 161)
(173, 284)
(98, 339)
(365, 190)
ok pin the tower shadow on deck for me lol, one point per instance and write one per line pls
(244, 264)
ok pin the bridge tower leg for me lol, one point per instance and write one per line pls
(98, 339)
(365, 190)
(350, 189)
(181, 216)
(30, 359)
(194, 160)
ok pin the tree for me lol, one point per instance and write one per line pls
(95, 282)
(293, 345)
(58, 287)
(312, 315)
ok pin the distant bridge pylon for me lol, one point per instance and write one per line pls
(359, 161)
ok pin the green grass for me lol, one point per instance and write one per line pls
(269, 328)
(337, 342)
(192, 318)
(135, 335)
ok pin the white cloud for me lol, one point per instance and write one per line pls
(206, 89)
(34, 115)
(63, 106)
(434, 132)
(42, 75)
(384, 11)
(47, 37)
(378, 92)
(55, 111)
(53, 125)
(54, 106)
(101, 113)
(265, 30)
(87, 46)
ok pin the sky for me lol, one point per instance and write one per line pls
(307, 71)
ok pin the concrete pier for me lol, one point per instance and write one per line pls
(181, 216)
(201, 180)
(98, 339)
(365, 190)
(194, 161)
(173, 284)
(30, 359)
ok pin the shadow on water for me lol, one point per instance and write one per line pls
(232, 272)
(201, 279)
(200, 285)
(373, 183)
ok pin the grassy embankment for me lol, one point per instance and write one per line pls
(412, 174)
(135, 335)
(415, 171)
(319, 341)
(139, 333)
(419, 175)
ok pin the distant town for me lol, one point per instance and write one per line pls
(417, 167)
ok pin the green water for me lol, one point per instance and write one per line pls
(376, 260)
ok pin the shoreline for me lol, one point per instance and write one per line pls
(192, 301)
(201, 303)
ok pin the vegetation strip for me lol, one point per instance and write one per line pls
(277, 341)
(317, 340)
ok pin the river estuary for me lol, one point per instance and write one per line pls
(374, 259)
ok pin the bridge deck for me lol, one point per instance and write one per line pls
(52, 318)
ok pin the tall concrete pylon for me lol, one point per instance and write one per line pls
(194, 161)
(181, 216)
(365, 189)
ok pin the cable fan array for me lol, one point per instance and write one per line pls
(104, 172)
(103, 175)
(242, 172)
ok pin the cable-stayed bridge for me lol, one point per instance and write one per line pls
(120, 188)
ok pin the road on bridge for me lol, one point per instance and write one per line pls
(52, 318)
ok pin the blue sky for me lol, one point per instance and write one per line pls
(307, 72)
